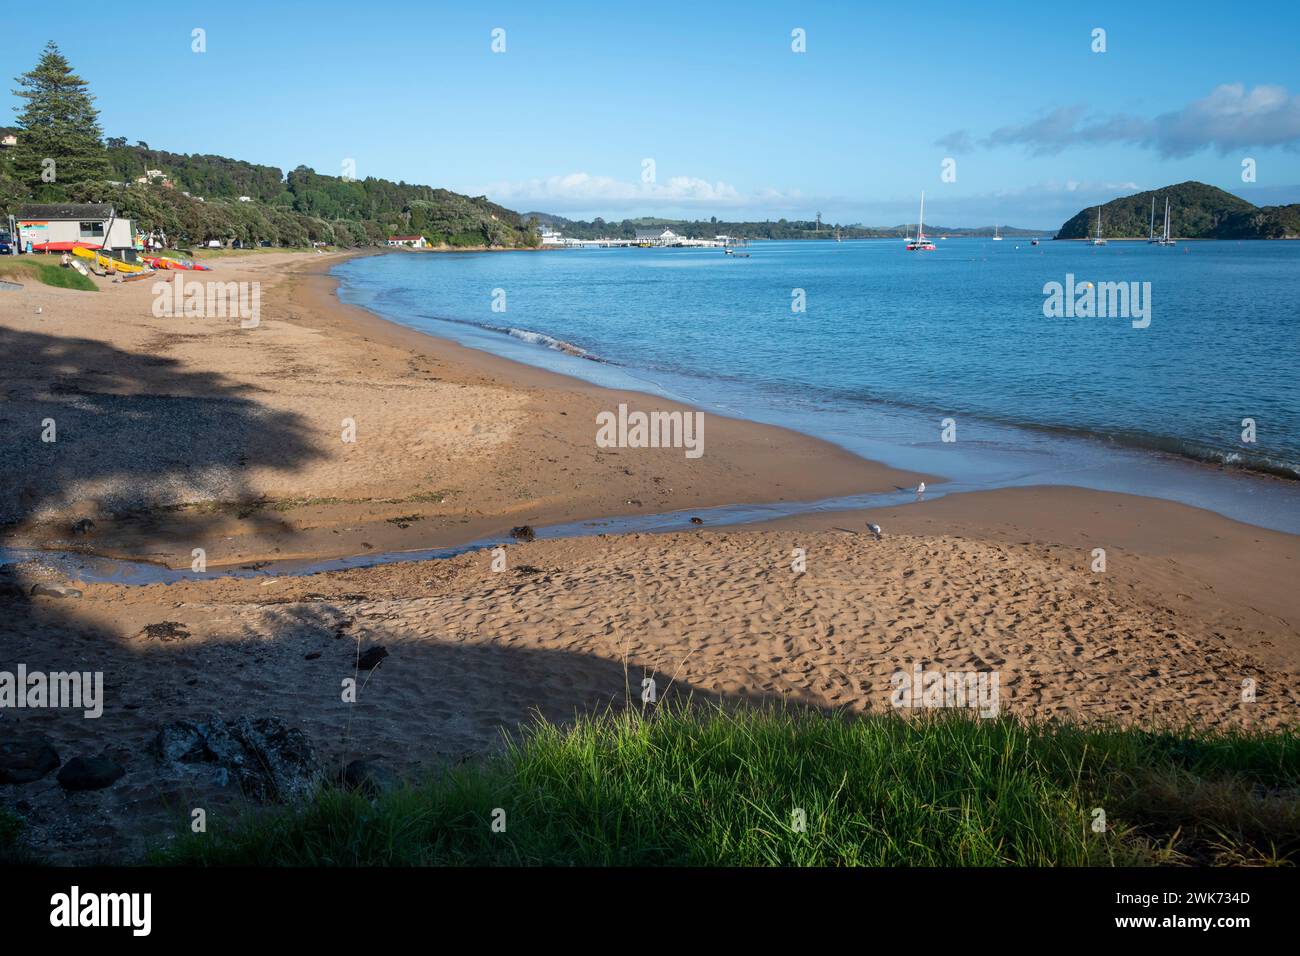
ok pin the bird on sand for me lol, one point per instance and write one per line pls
(875, 530)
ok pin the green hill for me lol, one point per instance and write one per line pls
(302, 205)
(1196, 211)
(766, 229)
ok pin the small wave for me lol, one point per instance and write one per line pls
(550, 342)
(529, 336)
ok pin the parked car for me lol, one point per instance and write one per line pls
(6, 244)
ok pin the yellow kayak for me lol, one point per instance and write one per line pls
(108, 262)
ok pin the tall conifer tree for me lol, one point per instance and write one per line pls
(57, 121)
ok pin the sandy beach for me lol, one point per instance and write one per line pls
(176, 434)
(189, 432)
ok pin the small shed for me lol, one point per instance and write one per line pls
(61, 227)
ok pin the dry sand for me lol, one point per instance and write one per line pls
(1189, 607)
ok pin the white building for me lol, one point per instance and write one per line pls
(657, 236)
(58, 227)
(551, 237)
(410, 242)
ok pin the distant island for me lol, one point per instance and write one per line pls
(1196, 211)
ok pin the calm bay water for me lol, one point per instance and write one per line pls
(893, 342)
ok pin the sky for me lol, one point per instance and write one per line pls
(695, 110)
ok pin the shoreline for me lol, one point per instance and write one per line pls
(462, 470)
(305, 295)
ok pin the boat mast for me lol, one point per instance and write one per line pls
(1151, 230)
(920, 223)
(1166, 220)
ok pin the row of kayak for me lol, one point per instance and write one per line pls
(150, 263)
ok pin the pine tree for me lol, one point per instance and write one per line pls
(58, 122)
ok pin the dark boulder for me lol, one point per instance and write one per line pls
(371, 657)
(368, 777)
(89, 773)
(267, 759)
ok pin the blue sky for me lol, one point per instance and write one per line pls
(737, 124)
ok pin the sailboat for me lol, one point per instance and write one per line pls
(1151, 229)
(996, 237)
(920, 243)
(1098, 241)
(1165, 240)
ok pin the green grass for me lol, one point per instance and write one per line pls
(49, 273)
(710, 787)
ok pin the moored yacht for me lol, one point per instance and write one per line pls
(1098, 241)
(920, 243)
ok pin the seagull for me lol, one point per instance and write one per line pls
(920, 490)
(874, 529)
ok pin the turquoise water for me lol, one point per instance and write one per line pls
(891, 343)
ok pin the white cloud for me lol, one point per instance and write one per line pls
(582, 190)
(1229, 118)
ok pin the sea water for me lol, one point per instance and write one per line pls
(952, 362)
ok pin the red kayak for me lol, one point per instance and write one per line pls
(162, 262)
(62, 246)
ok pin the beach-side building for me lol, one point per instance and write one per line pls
(59, 227)
(410, 242)
(551, 237)
(657, 236)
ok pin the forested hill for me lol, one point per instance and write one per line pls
(1196, 211)
(767, 229)
(353, 211)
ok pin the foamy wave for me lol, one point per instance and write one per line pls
(550, 342)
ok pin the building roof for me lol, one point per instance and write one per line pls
(64, 211)
(404, 238)
(654, 233)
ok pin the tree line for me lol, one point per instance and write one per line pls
(61, 156)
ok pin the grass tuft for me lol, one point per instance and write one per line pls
(706, 786)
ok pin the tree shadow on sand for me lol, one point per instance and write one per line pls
(133, 432)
